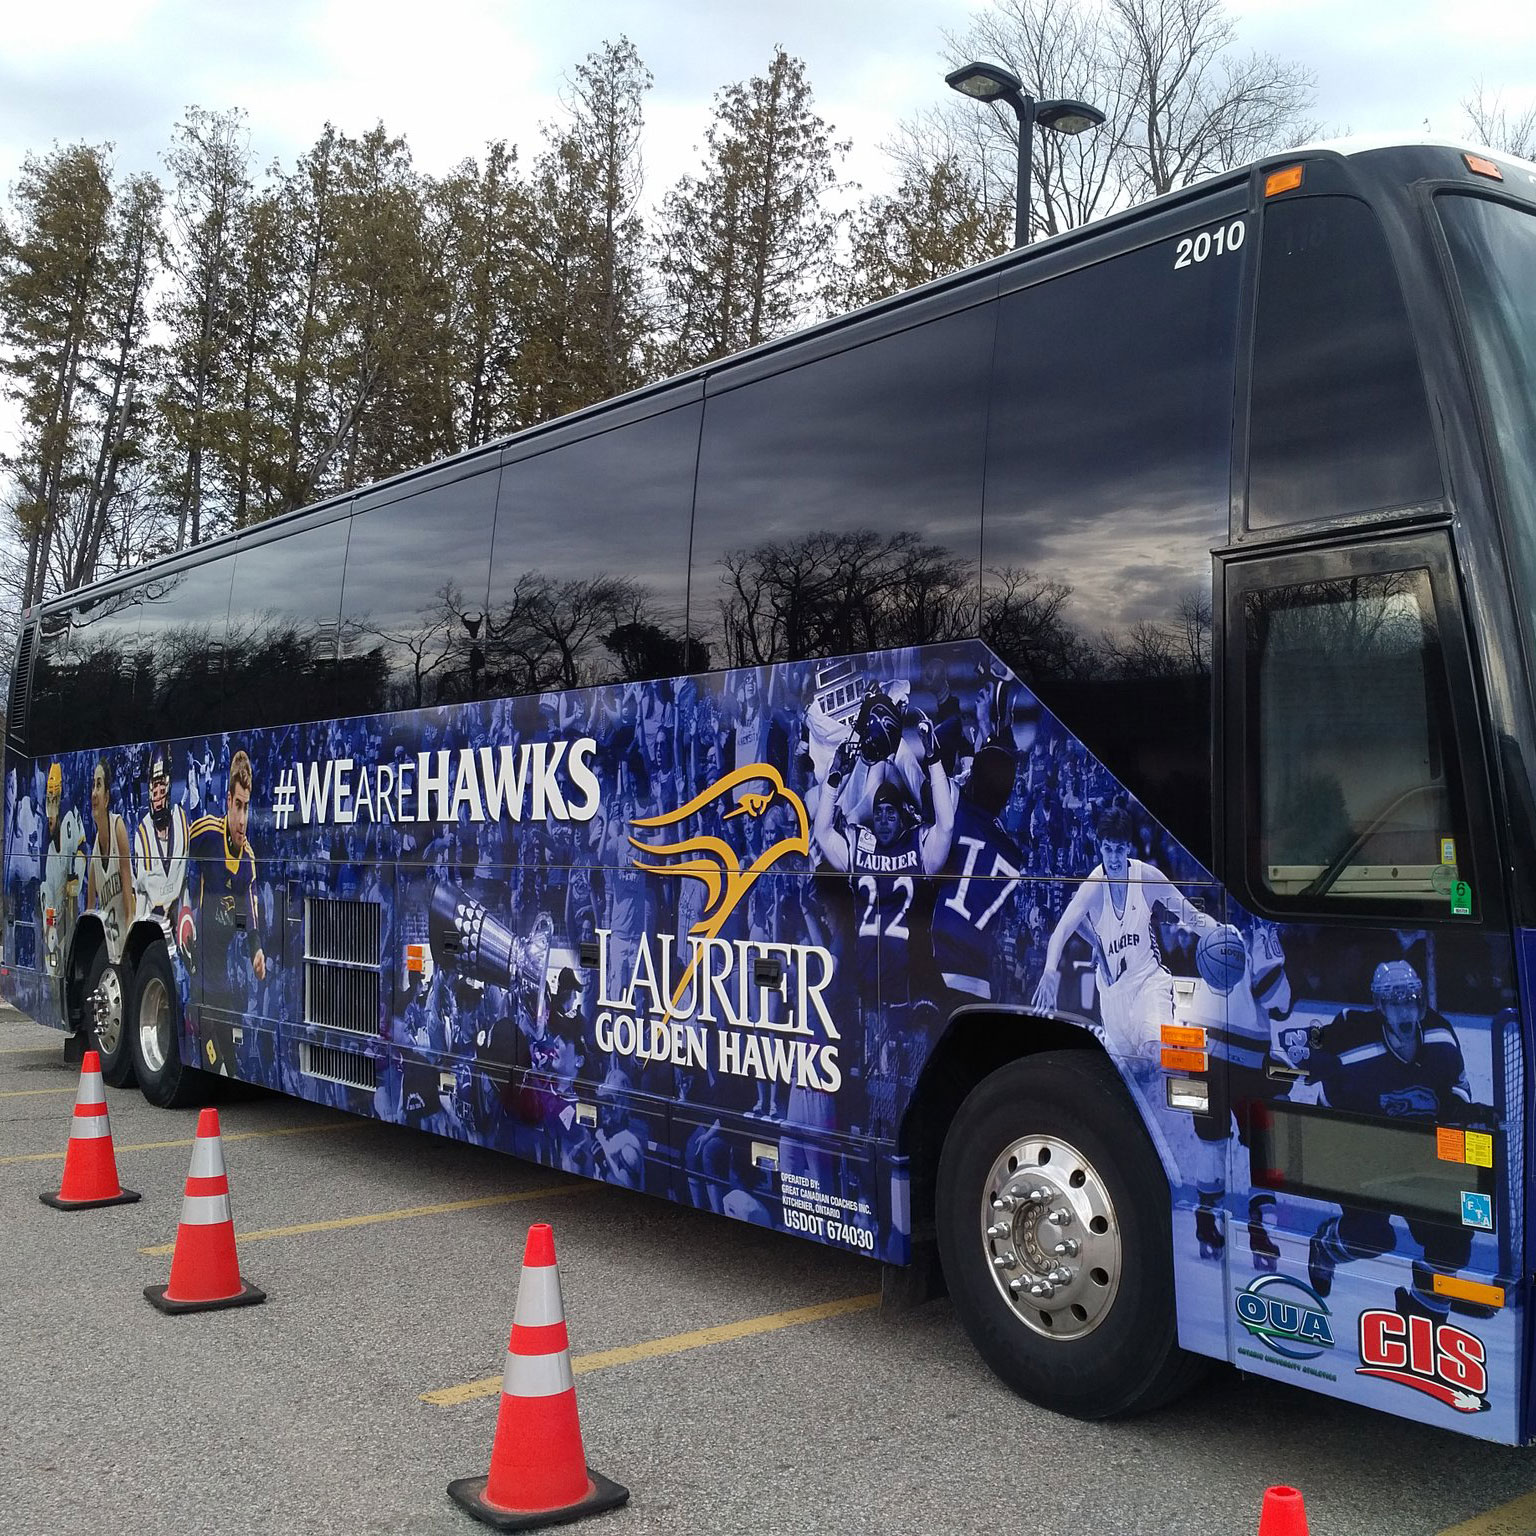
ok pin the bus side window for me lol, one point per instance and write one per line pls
(413, 604)
(284, 616)
(1339, 422)
(52, 674)
(589, 569)
(1356, 793)
(1105, 496)
(182, 635)
(110, 676)
(839, 505)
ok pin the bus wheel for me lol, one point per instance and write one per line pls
(1054, 1232)
(104, 1005)
(154, 1013)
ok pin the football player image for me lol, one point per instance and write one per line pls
(984, 862)
(223, 882)
(1114, 909)
(58, 896)
(1399, 1060)
(109, 868)
(162, 843)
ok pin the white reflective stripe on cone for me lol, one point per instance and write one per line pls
(204, 1210)
(538, 1297)
(537, 1375)
(91, 1089)
(89, 1128)
(207, 1158)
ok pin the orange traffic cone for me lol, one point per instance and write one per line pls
(205, 1271)
(539, 1473)
(90, 1166)
(1284, 1513)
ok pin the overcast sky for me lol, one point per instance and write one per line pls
(451, 74)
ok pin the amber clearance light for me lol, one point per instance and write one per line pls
(1282, 181)
(1483, 166)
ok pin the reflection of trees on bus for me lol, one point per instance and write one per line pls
(435, 660)
(833, 593)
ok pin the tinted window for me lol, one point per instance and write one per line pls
(413, 604)
(1339, 421)
(181, 634)
(1108, 485)
(589, 575)
(91, 677)
(1350, 729)
(284, 615)
(839, 502)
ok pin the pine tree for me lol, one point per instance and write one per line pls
(746, 242)
(209, 162)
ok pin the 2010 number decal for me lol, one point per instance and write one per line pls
(1210, 242)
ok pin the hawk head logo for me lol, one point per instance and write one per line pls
(711, 859)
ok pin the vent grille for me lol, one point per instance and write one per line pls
(342, 931)
(21, 687)
(333, 1065)
(342, 997)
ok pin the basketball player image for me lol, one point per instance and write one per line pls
(58, 897)
(161, 845)
(110, 871)
(1114, 909)
(224, 878)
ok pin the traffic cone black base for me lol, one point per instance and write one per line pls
(248, 1296)
(122, 1197)
(602, 1495)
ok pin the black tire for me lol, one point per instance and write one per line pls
(154, 1032)
(108, 1037)
(1104, 1344)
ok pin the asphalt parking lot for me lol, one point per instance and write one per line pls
(734, 1380)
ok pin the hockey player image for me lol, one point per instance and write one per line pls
(109, 868)
(223, 883)
(162, 843)
(1398, 1060)
(58, 897)
(1114, 909)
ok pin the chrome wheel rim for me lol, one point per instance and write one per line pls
(1050, 1238)
(107, 1011)
(155, 1025)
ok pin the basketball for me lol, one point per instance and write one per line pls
(1221, 957)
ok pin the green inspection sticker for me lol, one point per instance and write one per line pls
(1461, 899)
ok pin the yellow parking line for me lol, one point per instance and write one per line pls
(186, 1141)
(676, 1344)
(1516, 1518)
(36, 1093)
(341, 1223)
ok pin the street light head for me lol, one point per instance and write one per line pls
(1068, 116)
(984, 82)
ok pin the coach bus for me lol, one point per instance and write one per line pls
(1038, 770)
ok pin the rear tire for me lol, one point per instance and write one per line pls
(105, 1009)
(154, 1033)
(1084, 1218)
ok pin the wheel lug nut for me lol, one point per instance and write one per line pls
(1060, 1276)
(1043, 1289)
(998, 1229)
(1060, 1217)
(1006, 1261)
(1068, 1248)
(1004, 1203)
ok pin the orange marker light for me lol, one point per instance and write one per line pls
(1483, 166)
(1188, 1037)
(1183, 1061)
(1282, 181)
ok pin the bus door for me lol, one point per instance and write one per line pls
(1378, 1148)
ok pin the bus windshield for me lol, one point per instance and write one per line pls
(1493, 248)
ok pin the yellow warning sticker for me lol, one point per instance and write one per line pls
(1450, 1144)
(1480, 1149)
(1447, 850)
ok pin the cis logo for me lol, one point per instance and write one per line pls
(1444, 1362)
(1287, 1316)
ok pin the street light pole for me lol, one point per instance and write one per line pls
(991, 82)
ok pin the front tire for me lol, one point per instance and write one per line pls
(154, 1031)
(1054, 1233)
(105, 1007)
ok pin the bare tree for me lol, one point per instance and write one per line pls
(1498, 126)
